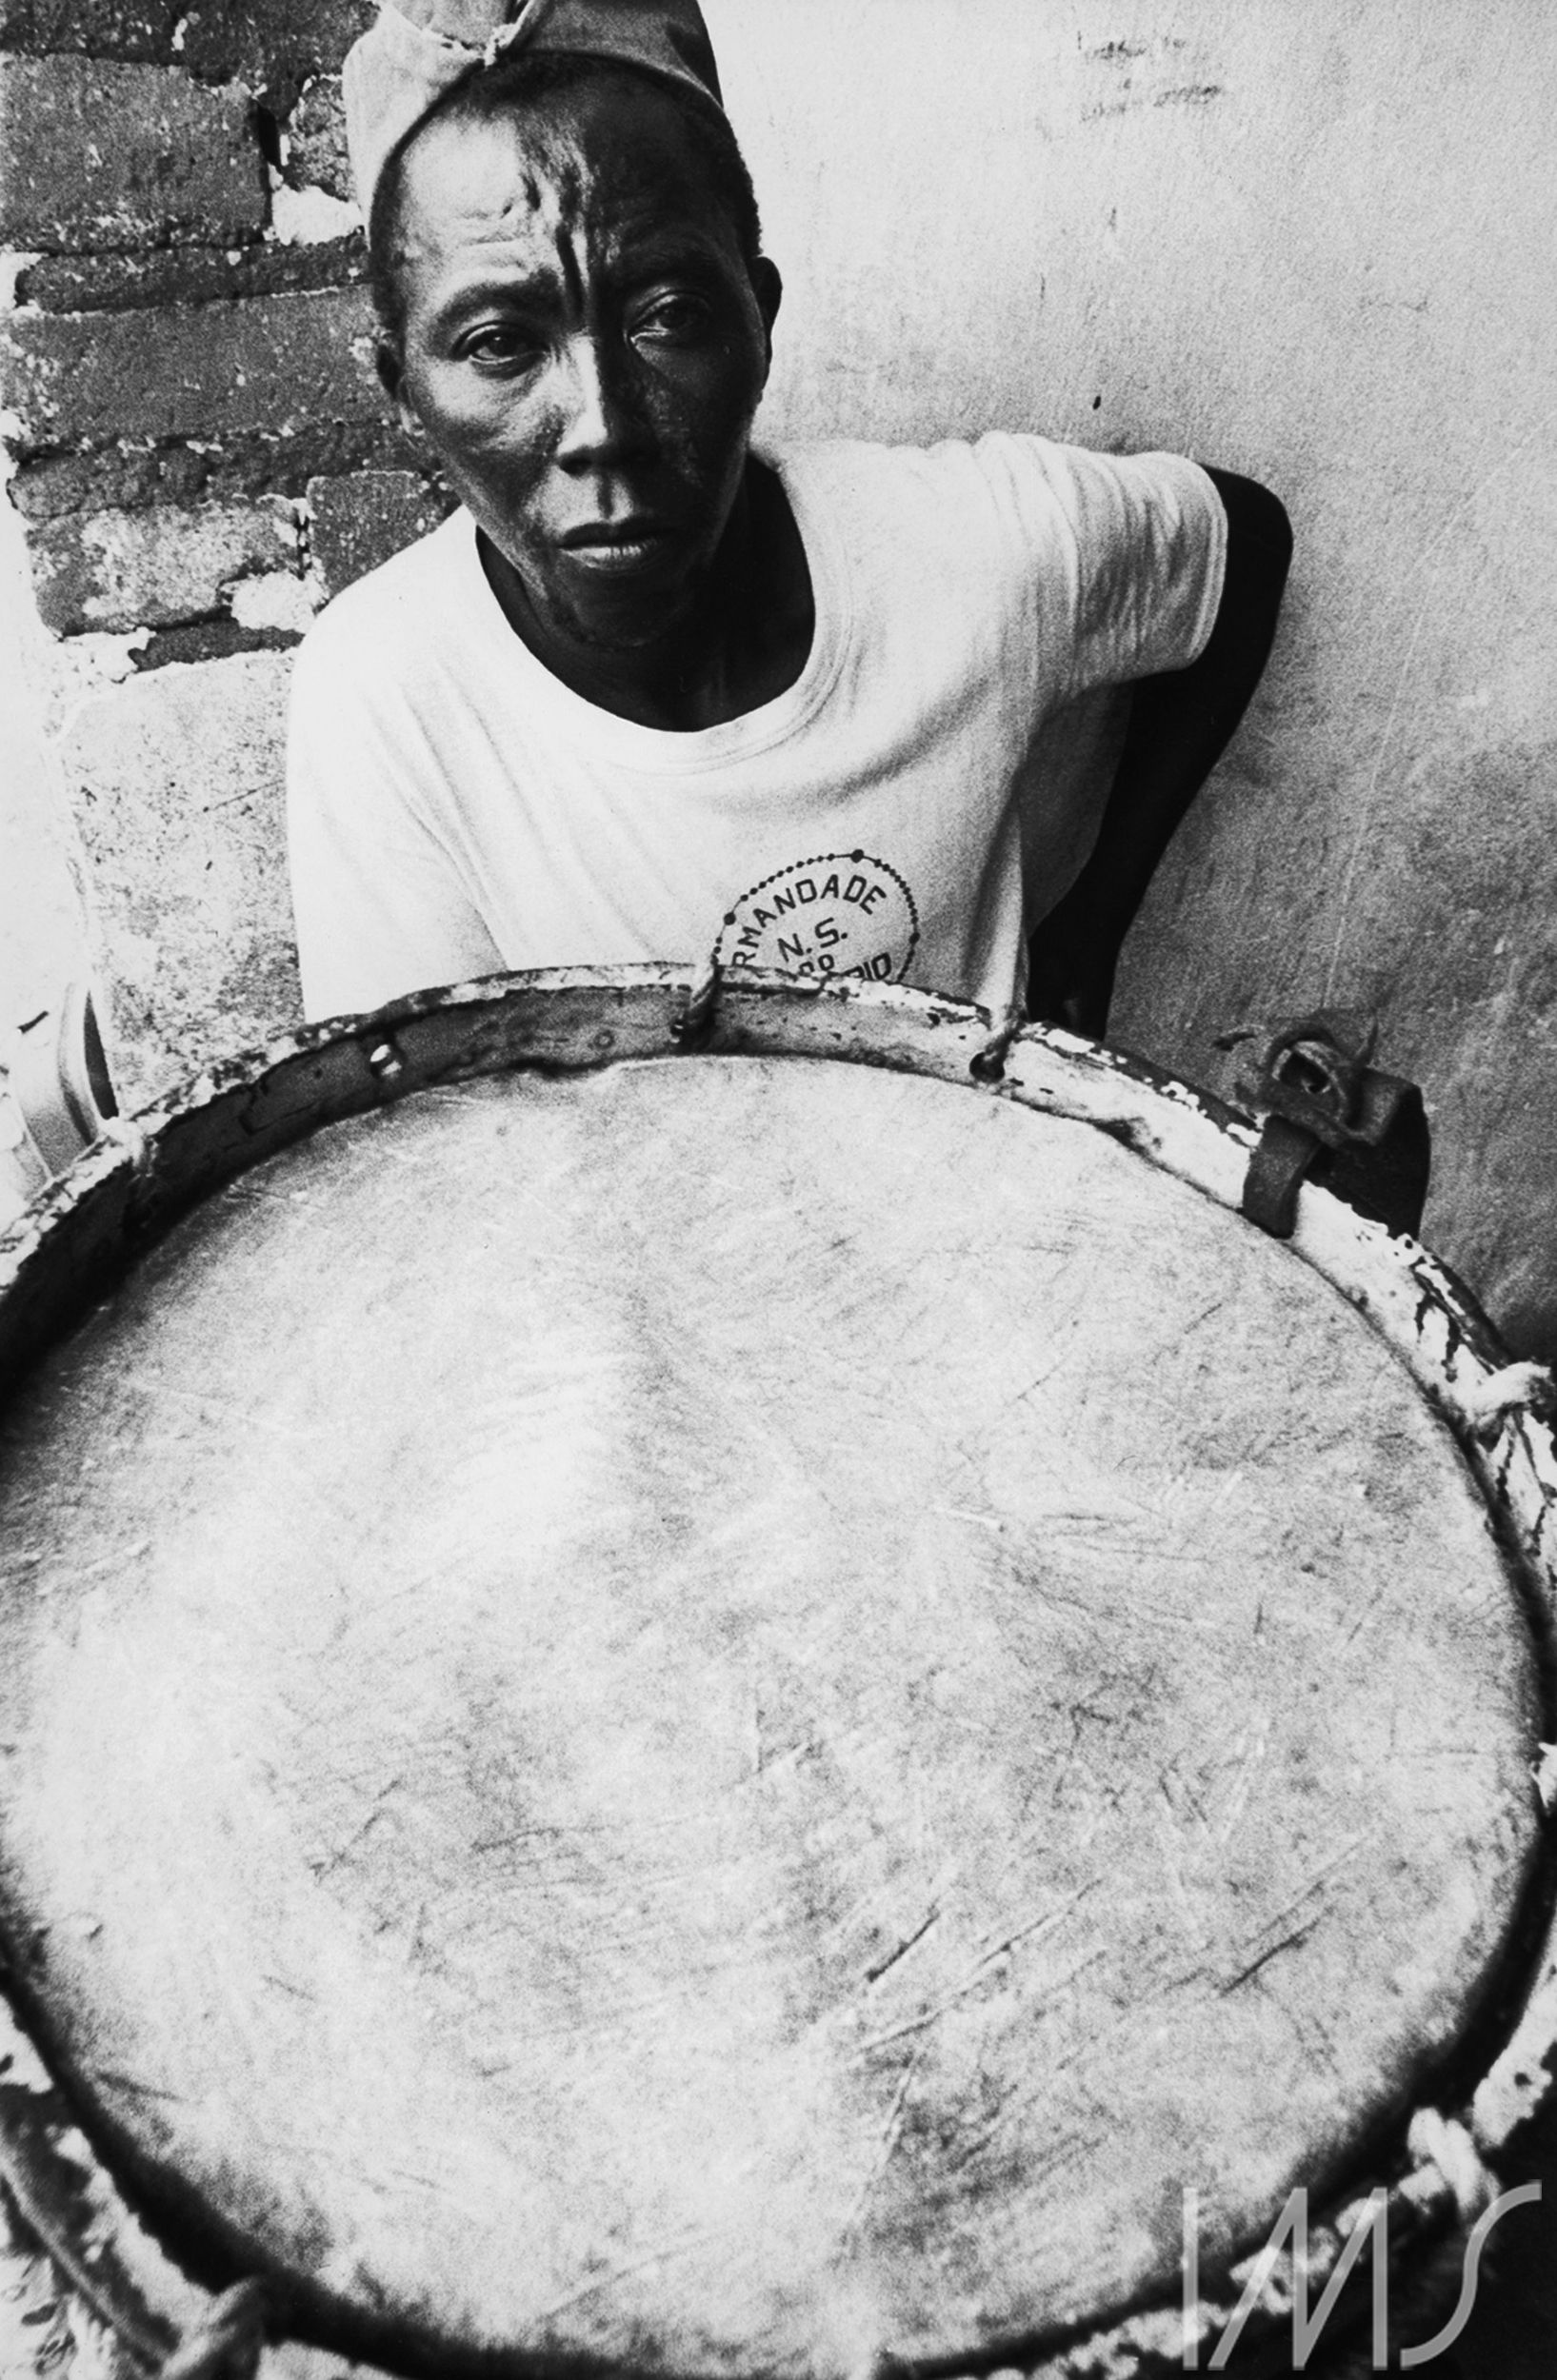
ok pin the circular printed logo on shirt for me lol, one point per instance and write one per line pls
(843, 913)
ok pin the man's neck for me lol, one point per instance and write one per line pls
(743, 640)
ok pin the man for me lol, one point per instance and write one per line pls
(654, 694)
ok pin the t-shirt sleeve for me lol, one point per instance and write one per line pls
(378, 903)
(1123, 558)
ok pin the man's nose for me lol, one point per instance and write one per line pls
(601, 421)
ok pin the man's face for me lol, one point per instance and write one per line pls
(584, 349)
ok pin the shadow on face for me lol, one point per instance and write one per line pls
(584, 335)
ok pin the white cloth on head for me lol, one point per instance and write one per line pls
(416, 51)
(455, 809)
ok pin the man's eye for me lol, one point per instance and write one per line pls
(677, 315)
(498, 343)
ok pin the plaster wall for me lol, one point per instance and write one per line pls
(1308, 239)
(42, 938)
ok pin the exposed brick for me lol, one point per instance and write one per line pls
(125, 476)
(274, 46)
(209, 640)
(120, 571)
(317, 149)
(114, 479)
(109, 29)
(357, 523)
(190, 276)
(275, 366)
(109, 156)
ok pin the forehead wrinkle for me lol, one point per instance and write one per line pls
(609, 166)
(622, 220)
(477, 210)
(570, 228)
(557, 194)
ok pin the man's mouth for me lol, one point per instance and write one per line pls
(625, 545)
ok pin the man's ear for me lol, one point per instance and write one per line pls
(392, 373)
(768, 290)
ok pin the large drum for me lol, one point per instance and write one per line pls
(740, 1688)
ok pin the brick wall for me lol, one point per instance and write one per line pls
(201, 456)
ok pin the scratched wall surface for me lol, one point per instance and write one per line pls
(1310, 242)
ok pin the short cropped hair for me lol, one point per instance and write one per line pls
(517, 83)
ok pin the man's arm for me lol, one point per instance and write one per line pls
(1180, 725)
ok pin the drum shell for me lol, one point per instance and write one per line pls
(77, 1241)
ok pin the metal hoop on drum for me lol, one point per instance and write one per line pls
(664, 1078)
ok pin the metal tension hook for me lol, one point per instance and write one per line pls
(1332, 1117)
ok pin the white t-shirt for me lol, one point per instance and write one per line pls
(455, 809)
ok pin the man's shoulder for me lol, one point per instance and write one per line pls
(394, 617)
(980, 518)
(868, 464)
(997, 480)
(996, 460)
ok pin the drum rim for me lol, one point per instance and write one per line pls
(81, 1234)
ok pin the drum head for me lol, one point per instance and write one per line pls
(731, 1716)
